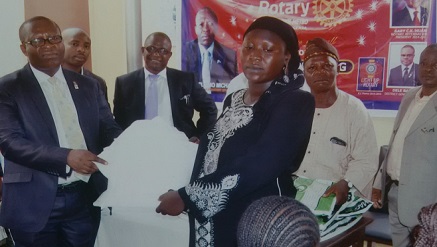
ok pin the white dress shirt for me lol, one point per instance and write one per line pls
(47, 89)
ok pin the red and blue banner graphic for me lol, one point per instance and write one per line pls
(376, 39)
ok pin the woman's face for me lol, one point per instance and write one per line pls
(263, 56)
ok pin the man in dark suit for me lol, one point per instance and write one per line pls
(220, 65)
(406, 74)
(53, 123)
(413, 14)
(77, 50)
(177, 93)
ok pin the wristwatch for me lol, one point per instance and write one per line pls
(349, 183)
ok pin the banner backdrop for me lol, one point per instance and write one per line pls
(369, 35)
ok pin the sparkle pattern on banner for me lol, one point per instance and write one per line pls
(357, 28)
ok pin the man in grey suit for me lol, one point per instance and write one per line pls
(53, 122)
(213, 64)
(177, 93)
(411, 160)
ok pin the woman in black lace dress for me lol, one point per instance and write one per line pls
(256, 143)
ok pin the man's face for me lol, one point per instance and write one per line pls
(205, 28)
(428, 68)
(46, 57)
(77, 49)
(414, 3)
(407, 56)
(156, 53)
(321, 73)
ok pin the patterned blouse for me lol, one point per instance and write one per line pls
(249, 153)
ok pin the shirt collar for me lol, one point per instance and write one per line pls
(41, 76)
(424, 98)
(210, 49)
(163, 73)
(411, 11)
(409, 67)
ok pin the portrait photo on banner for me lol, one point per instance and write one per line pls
(410, 13)
(212, 35)
(403, 64)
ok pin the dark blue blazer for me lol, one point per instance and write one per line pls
(29, 142)
(186, 95)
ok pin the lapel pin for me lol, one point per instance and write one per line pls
(75, 85)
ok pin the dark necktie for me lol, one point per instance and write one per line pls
(152, 98)
(405, 76)
(416, 20)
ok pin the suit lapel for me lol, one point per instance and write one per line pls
(405, 105)
(172, 90)
(33, 90)
(197, 61)
(428, 112)
(139, 84)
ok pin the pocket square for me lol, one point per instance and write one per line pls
(186, 98)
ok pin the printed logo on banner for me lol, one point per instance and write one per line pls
(370, 74)
(345, 66)
(357, 28)
(331, 13)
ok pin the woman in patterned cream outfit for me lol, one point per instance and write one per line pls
(257, 142)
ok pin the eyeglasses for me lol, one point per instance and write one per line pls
(160, 51)
(38, 42)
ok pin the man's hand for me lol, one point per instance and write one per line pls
(376, 198)
(171, 204)
(340, 189)
(194, 139)
(81, 161)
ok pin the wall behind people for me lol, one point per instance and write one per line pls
(66, 13)
(11, 17)
(107, 27)
(108, 40)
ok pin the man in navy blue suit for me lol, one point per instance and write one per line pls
(50, 178)
(412, 14)
(216, 70)
(177, 93)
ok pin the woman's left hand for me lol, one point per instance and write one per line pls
(171, 204)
